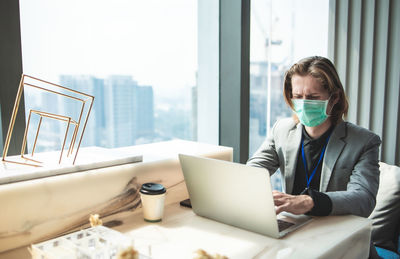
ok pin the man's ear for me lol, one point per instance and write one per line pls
(334, 98)
(333, 101)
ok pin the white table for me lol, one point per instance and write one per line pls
(182, 232)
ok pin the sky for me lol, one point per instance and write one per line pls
(155, 41)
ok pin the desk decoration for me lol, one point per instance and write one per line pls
(91, 243)
(81, 101)
(128, 253)
(201, 254)
(95, 220)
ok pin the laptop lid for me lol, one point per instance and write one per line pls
(233, 194)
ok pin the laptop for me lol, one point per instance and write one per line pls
(237, 195)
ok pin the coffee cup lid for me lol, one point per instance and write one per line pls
(152, 188)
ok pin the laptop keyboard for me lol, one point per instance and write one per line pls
(282, 225)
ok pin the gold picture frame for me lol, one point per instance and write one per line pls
(51, 88)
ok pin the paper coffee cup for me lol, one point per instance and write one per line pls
(152, 196)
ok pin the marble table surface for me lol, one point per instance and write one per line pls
(89, 158)
(181, 233)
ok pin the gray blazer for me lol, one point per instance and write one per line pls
(350, 169)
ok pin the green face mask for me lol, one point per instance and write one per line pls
(311, 113)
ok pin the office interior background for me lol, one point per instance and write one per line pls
(209, 71)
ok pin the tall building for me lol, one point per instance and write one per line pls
(119, 104)
(130, 111)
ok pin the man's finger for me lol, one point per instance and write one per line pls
(278, 202)
(279, 209)
(277, 194)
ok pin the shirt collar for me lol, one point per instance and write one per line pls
(318, 141)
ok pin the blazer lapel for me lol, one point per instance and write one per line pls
(333, 150)
(292, 149)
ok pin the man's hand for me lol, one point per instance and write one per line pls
(296, 204)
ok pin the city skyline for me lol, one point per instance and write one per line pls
(123, 114)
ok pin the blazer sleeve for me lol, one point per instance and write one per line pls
(360, 196)
(266, 155)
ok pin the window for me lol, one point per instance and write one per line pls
(138, 58)
(282, 32)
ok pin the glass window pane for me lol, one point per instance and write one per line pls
(138, 58)
(282, 32)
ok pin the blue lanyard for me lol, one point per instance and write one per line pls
(305, 161)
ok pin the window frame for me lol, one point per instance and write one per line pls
(10, 74)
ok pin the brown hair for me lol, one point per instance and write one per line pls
(324, 71)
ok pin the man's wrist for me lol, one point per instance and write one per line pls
(322, 204)
(309, 202)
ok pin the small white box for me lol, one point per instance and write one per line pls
(97, 242)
